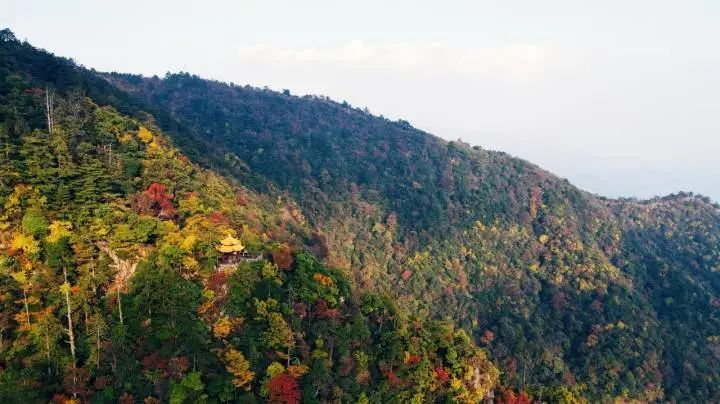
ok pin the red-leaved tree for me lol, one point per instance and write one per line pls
(161, 200)
(510, 397)
(442, 375)
(284, 389)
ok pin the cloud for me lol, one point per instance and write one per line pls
(402, 56)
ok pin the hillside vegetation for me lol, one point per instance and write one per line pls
(113, 288)
(395, 266)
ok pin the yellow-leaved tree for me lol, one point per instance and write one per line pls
(239, 367)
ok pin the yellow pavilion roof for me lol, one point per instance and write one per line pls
(230, 244)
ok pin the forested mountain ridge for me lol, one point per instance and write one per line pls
(540, 270)
(129, 274)
(572, 295)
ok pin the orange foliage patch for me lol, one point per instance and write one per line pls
(323, 279)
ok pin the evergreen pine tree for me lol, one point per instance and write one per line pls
(39, 168)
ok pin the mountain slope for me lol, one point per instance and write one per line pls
(607, 298)
(114, 287)
(505, 247)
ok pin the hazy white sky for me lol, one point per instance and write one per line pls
(621, 97)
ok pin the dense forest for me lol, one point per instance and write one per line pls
(183, 240)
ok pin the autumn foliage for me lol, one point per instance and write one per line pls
(510, 397)
(396, 260)
(239, 368)
(158, 194)
(442, 375)
(284, 389)
(282, 257)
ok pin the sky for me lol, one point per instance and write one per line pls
(620, 97)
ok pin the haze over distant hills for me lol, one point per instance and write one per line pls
(394, 265)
